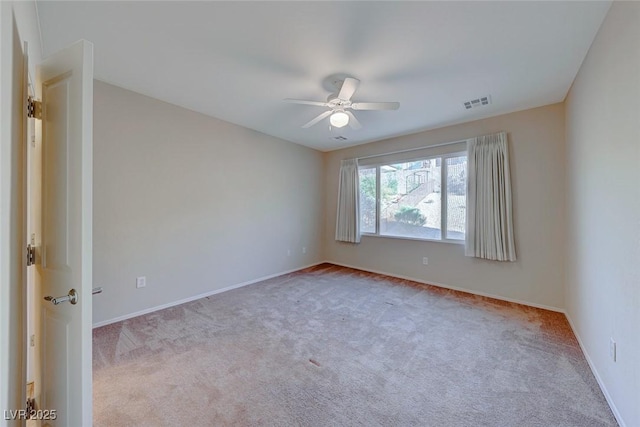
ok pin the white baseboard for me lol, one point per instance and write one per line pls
(453, 288)
(607, 396)
(196, 297)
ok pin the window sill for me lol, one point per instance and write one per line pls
(384, 236)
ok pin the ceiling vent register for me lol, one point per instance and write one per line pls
(478, 102)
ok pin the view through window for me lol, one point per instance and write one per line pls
(415, 199)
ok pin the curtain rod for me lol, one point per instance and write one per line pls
(412, 149)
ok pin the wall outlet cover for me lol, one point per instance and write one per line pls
(141, 282)
(612, 349)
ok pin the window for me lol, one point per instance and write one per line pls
(420, 199)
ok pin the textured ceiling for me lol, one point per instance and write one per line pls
(237, 60)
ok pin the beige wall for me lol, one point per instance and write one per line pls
(17, 24)
(193, 203)
(603, 208)
(536, 140)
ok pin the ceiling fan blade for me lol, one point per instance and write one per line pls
(317, 119)
(302, 101)
(353, 122)
(348, 88)
(375, 105)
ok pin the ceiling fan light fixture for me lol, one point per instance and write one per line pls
(339, 119)
(339, 106)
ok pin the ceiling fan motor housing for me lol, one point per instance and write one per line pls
(337, 102)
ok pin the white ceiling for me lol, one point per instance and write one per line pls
(237, 60)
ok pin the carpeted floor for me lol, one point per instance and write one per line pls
(332, 346)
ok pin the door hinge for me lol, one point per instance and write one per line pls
(31, 401)
(31, 255)
(30, 407)
(34, 108)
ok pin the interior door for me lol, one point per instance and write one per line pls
(64, 84)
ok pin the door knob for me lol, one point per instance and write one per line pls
(72, 298)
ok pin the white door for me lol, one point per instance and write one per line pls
(64, 84)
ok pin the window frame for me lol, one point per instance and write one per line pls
(444, 200)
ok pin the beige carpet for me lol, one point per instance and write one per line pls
(331, 346)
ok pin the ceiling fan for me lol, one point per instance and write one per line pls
(340, 104)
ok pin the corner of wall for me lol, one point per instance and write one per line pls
(325, 199)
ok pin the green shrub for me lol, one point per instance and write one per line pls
(410, 215)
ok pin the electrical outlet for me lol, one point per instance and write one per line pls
(304, 249)
(612, 349)
(425, 261)
(141, 282)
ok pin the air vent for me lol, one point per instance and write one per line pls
(478, 102)
(340, 138)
